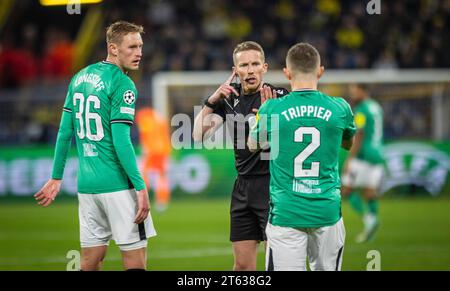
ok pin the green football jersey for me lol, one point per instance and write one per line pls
(305, 130)
(369, 118)
(99, 95)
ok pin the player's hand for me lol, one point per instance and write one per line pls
(143, 206)
(266, 93)
(224, 91)
(48, 193)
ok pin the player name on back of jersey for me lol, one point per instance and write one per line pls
(91, 78)
(307, 111)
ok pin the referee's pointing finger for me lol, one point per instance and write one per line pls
(228, 82)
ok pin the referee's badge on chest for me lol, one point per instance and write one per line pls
(236, 101)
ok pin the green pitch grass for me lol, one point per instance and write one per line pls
(193, 235)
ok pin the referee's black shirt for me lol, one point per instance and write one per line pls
(237, 107)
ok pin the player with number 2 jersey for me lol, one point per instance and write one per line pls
(305, 130)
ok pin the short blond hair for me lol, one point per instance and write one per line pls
(116, 31)
(248, 46)
(303, 57)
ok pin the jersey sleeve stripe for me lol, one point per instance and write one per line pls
(122, 121)
(67, 109)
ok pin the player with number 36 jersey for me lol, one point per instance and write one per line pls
(99, 95)
(99, 111)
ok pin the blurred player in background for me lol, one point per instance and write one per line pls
(305, 221)
(154, 137)
(363, 169)
(113, 199)
(250, 195)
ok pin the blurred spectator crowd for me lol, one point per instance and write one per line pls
(201, 34)
(191, 35)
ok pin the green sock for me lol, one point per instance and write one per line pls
(372, 206)
(356, 203)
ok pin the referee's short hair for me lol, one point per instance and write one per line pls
(248, 46)
(303, 57)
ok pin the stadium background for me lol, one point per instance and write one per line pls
(402, 53)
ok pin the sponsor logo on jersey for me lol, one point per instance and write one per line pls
(360, 120)
(89, 150)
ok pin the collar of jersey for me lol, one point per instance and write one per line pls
(304, 90)
(110, 63)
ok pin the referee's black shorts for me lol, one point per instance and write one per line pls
(249, 209)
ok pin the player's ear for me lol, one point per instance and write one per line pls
(265, 67)
(234, 70)
(320, 72)
(287, 73)
(113, 49)
(236, 75)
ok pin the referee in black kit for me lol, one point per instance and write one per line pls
(231, 103)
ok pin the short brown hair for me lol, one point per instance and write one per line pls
(303, 57)
(248, 46)
(116, 31)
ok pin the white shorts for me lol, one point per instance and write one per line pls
(109, 216)
(362, 174)
(289, 248)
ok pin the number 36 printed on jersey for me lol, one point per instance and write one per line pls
(84, 116)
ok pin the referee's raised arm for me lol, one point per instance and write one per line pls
(206, 122)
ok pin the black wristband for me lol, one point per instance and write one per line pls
(210, 105)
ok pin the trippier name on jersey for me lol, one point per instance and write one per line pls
(307, 111)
